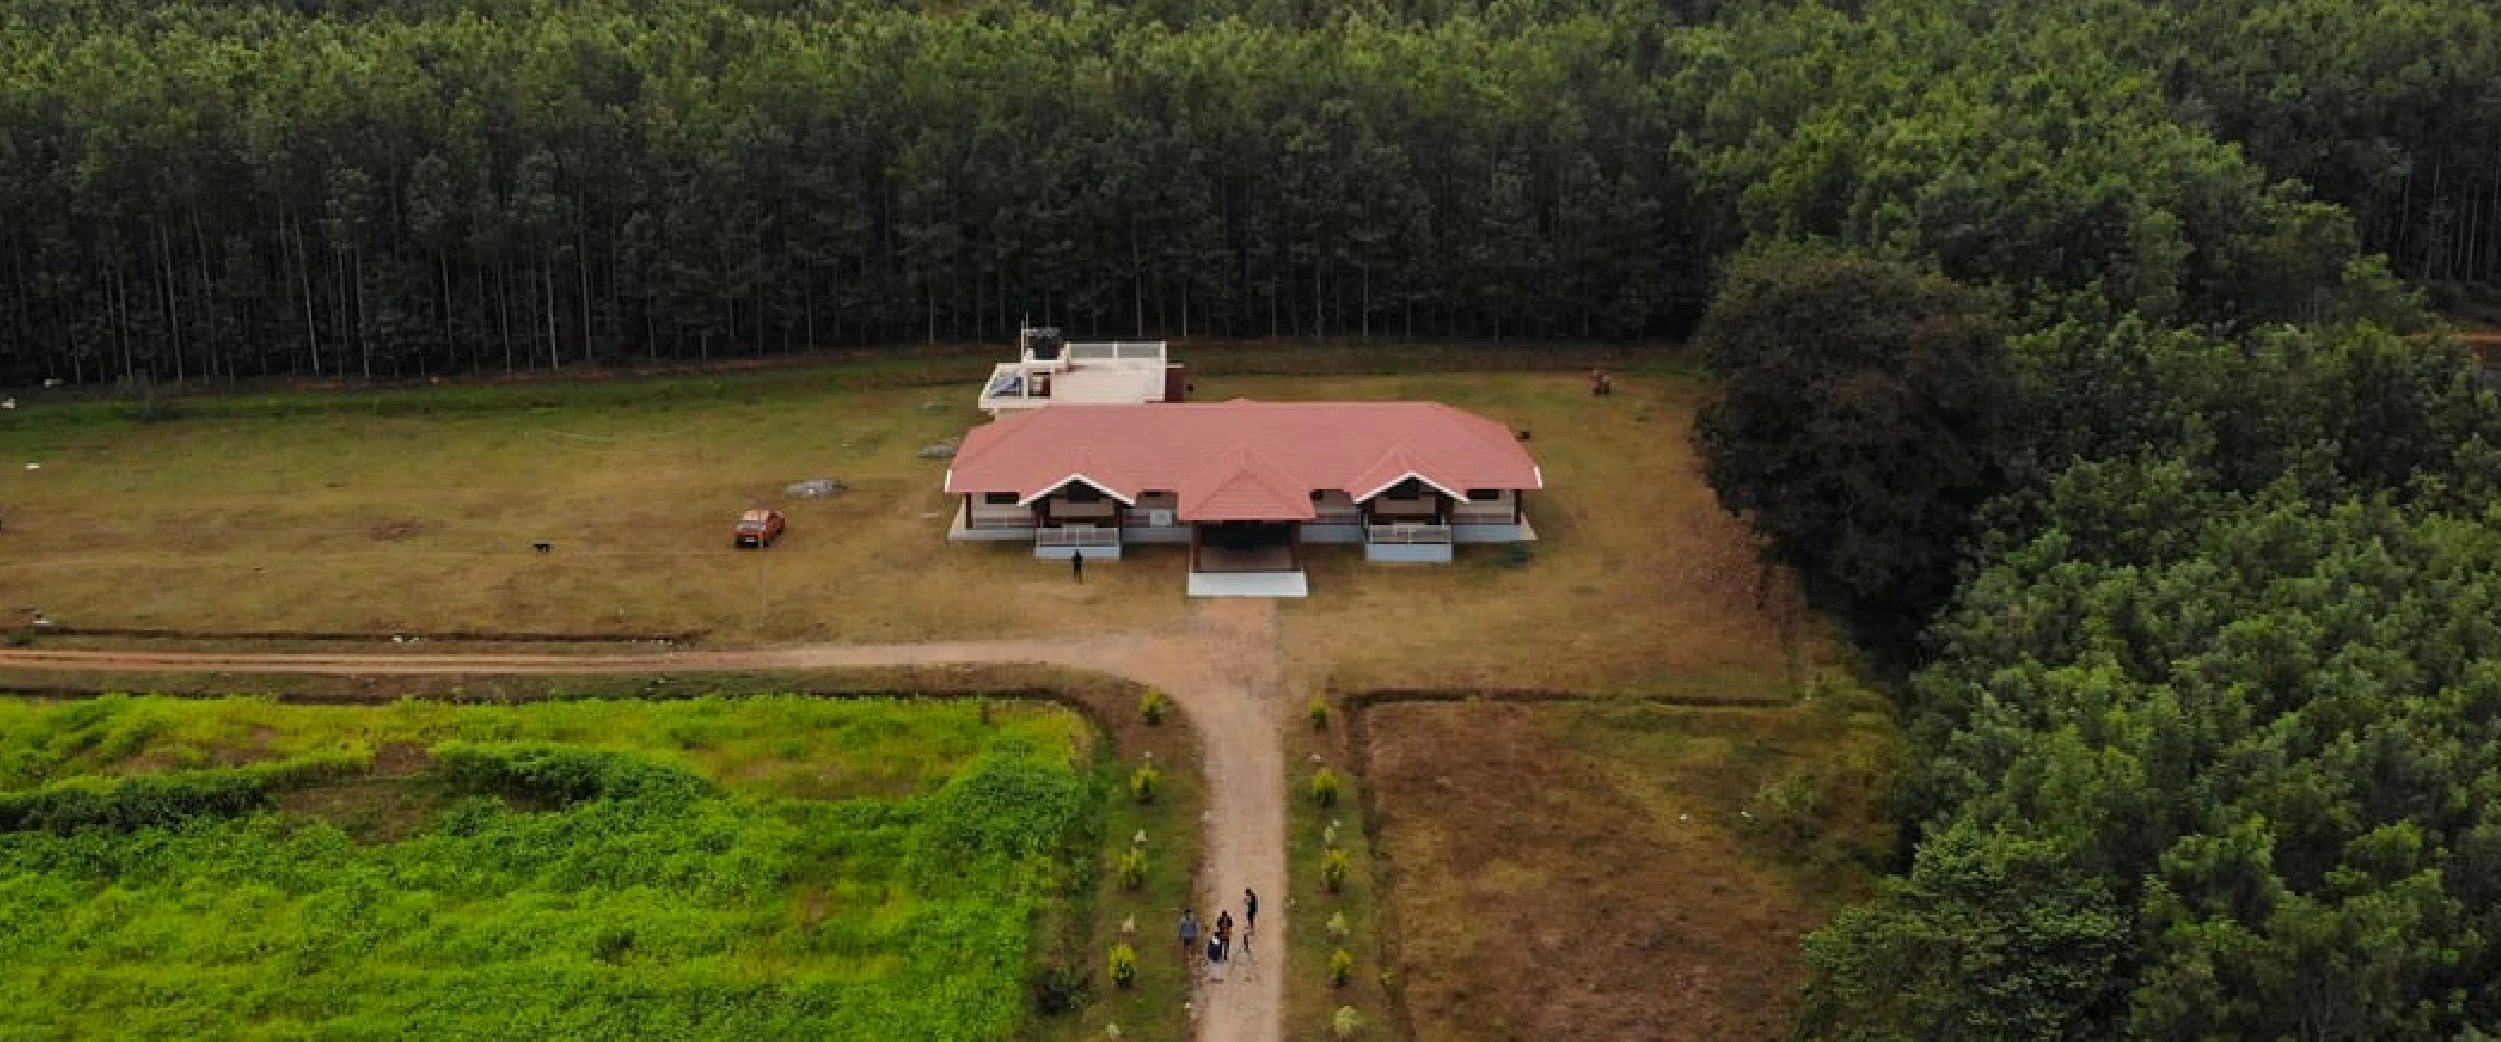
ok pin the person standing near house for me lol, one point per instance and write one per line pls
(1250, 910)
(1077, 565)
(1189, 936)
(1224, 934)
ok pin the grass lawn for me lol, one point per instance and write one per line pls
(712, 868)
(1590, 870)
(420, 517)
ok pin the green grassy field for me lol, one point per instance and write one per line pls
(769, 867)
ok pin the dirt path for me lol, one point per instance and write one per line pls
(1222, 666)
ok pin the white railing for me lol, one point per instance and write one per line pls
(1076, 537)
(1117, 351)
(1406, 533)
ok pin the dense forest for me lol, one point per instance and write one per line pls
(211, 188)
(2117, 448)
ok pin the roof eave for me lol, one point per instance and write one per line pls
(1102, 486)
(1419, 476)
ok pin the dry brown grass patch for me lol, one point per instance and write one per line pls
(1574, 872)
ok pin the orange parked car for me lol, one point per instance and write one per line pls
(758, 528)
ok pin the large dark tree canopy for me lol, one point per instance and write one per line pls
(1856, 420)
(2228, 764)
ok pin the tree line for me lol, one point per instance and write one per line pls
(402, 187)
(2200, 634)
(2184, 543)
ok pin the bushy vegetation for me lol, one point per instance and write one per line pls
(141, 801)
(1323, 787)
(1333, 868)
(1124, 965)
(559, 890)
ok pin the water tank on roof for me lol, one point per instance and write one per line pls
(1046, 344)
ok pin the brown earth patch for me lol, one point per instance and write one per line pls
(1560, 873)
(399, 759)
(371, 809)
(394, 531)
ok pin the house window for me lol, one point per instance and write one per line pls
(1081, 494)
(1484, 495)
(1408, 489)
(999, 499)
(1318, 495)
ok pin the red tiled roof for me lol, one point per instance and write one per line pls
(1242, 460)
(1244, 486)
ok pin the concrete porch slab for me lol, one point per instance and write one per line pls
(1249, 584)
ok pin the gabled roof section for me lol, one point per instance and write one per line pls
(1088, 468)
(1394, 466)
(1244, 486)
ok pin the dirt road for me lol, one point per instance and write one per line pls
(1222, 666)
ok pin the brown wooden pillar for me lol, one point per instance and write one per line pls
(1193, 548)
(1519, 504)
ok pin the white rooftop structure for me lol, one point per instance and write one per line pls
(1048, 370)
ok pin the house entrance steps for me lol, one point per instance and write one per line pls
(1249, 584)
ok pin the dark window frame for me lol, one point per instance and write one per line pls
(999, 499)
(1485, 495)
(1080, 493)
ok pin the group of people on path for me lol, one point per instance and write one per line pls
(1219, 938)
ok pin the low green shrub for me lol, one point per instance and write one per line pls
(1059, 989)
(145, 800)
(1338, 928)
(1144, 783)
(1152, 706)
(1132, 869)
(1333, 868)
(1345, 1022)
(1341, 967)
(1788, 811)
(563, 774)
(1318, 713)
(1324, 787)
(1124, 965)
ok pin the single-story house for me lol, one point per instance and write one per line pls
(1246, 484)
